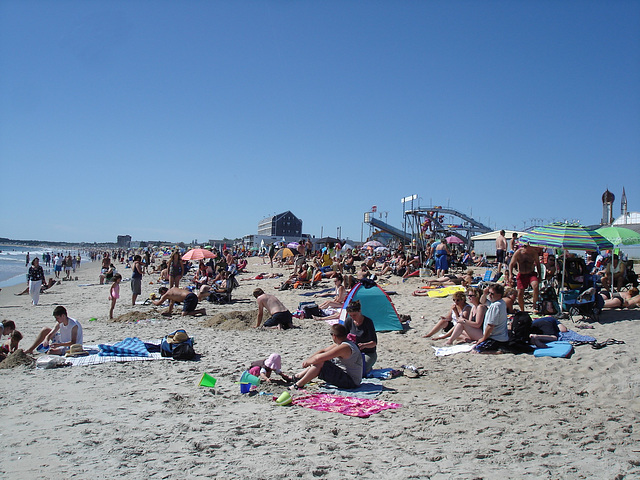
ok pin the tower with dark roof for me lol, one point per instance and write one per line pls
(607, 207)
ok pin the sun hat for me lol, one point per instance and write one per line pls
(178, 337)
(274, 362)
(76, 350)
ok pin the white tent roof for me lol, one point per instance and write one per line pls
(493, 235)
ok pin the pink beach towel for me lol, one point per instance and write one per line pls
(354, 407)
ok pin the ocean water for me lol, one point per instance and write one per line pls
(13, 270)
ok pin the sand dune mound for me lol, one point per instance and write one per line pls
(235, 320)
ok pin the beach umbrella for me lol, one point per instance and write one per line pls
(453, 239)
(284, 253)
(381, 249)
(566, 236)
(293, 245)
(373, 243)
(619, 236)
(197, 254)
(326, 240)
(346, 246)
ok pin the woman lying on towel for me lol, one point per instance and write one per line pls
(451, 279)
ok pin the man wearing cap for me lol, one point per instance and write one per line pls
(188, 299)
(281, 318)
(57, 340)
(528, 262)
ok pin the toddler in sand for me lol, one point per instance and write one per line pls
(263, 368)
(114, 293)
(11, 345)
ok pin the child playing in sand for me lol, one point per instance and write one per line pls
(114, 293)
(263, 368)
(11, 345)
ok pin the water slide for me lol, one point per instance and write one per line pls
(472, 226)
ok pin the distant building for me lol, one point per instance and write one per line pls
(124, 241)
(282, 225)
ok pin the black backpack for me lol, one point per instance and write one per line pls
(521, 327)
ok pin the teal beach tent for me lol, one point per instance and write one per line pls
(376, 305)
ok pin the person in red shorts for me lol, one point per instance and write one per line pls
(527, 261)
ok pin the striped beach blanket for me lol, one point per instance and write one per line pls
(96, 359)
(129, 347)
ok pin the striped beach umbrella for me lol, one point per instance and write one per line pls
(568, 236)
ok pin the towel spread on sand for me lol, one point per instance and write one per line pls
(129, 347)
(354, 407)
(571, 336)
(96, 359)
(369, 388)
(450, 350)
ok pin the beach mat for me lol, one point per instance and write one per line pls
(353, 407)
(369, 388)
(555, 349)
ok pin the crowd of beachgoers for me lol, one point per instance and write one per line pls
(578, 411)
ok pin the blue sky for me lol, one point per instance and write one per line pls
(194, 120)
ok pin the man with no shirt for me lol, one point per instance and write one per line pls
(280, 317)
(174, 294)
(501, 250)
(528, 263)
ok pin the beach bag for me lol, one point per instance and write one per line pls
(169, 344)
(310, 309)
(183, 351)
(521, 327)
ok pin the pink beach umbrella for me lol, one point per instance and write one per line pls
(197, 254)
(454, 239)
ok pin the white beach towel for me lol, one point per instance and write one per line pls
(453, 349)
(95, 359)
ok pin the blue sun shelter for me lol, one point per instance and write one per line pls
(376, 305)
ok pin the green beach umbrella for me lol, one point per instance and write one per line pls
(619, 236)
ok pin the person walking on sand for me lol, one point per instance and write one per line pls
(527, 261)
(35, 277)
(114, 293)
(281, 318)
(136, 279)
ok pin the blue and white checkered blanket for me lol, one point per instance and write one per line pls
(129, 347)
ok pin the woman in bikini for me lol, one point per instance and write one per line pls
(471, 329)
(339, 297)
(459, 311)
(176, 269)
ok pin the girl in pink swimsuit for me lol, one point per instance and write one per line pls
(114, 292)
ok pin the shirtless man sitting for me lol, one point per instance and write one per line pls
(528, 263)
(175, 294)
(281, 318)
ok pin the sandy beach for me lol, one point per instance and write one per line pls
(467, 416)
